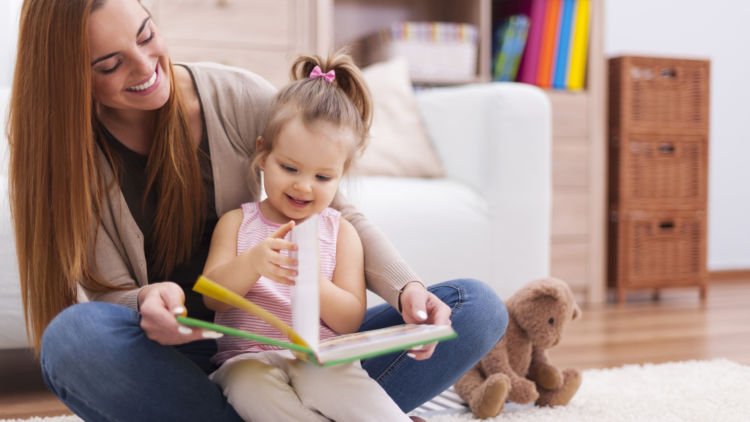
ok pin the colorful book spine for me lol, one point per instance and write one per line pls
(549, 44)
(559, 77)
(503, 35)
(509, 45)
(431, 31)
(519, 45)
(530, 61)
(577, 73)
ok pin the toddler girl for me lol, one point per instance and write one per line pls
(316, 126)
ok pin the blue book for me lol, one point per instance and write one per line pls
(560, 77)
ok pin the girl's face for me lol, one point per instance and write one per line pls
(128, 58)
(302, 173)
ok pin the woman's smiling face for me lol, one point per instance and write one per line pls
(129, 59)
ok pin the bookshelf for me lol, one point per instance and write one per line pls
(658, 173)
(578, 123)
(345, 22)
(265, 35)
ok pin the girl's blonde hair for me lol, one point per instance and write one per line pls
(57, 191)
(345, 102)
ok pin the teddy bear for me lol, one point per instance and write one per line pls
(517, 368)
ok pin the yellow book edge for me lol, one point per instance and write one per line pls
(209, 288)
(576, 74)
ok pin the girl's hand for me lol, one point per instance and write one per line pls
(268, 261)
(159, 304)
(419, 306)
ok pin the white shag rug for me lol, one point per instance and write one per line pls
(696, 391)
(691, 391)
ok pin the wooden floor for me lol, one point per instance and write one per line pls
(677, 327)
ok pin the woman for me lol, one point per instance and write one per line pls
(121, 164)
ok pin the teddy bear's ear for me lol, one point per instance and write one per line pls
(548, 290)
(576, 312)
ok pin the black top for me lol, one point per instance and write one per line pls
(132, 179)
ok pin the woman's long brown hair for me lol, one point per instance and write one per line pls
(56, 185)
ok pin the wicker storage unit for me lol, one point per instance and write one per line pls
(658, 173)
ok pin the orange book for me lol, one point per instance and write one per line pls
(548, 48)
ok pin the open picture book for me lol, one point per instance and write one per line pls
(304, 335)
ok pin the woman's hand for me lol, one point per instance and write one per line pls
(159, 303)
(419, 306)
(267, 260)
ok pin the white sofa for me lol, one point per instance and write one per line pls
(12, 331)
(488, 219)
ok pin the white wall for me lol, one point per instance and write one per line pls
(9, 11)
(717, 30)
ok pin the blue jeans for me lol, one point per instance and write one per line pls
(96, 358)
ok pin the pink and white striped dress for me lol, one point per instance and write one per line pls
(272, 296)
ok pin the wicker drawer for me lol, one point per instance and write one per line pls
(657, 94)
(659, 172)
(658, 249)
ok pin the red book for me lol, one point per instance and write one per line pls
(527, 71)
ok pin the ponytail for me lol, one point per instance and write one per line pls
(340, 98)
(348, 78)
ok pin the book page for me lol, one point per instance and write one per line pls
(377, 342)
(305, 294)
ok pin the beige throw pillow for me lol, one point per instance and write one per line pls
(398, 145)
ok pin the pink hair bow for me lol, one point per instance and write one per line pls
(318, 73)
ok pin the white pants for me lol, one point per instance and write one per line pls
(274, 386)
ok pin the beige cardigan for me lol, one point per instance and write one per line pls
(235, 103)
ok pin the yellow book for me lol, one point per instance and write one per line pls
(577, 73)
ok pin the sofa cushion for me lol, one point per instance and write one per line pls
(399, 145)
(428, 220)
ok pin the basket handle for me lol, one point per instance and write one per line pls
(666, 225)
(666, 148)
(668, 73)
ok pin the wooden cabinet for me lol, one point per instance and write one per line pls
(658, 173)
